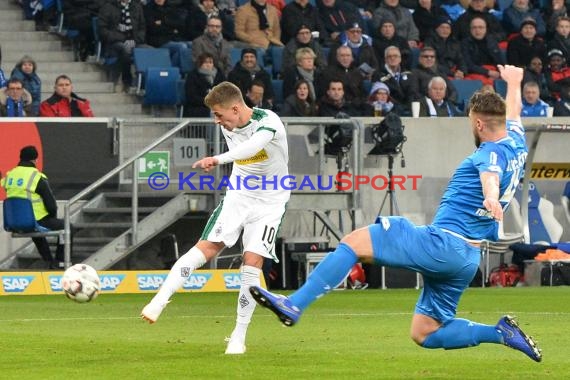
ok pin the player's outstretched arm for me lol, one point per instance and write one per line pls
(490, 184)
(513, 75)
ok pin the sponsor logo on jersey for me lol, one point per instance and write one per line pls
(111, 281)
(258, 157)
(16, 284)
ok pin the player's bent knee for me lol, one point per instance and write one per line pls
(360, 242)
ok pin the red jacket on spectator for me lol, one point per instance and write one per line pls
(58, 106)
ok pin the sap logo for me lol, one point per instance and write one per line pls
(16, 284)
(111, 281)
(196, 281)
(232, 281)
(150, 281)
(55, 283)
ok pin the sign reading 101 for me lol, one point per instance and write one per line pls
(188, 151)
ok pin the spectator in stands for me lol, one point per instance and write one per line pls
(165, 29)
(429, 68)
(198, 13)
(78, 14)
(481, 53)
(534, 73)
(303, 39)
(198, 84)
(343, 69)
(336, 15)
(526, 45)
(557, 74)
(552, 13)
(562, 107)
(213, 42)
(304, 69)
(254, 97)
(361, 46)
(519, 11)
(247, 70)
(448, 50)
(532, 105)
(427, 16)
(561, 38)
(64, 102)
(405, 26)
(434, 104)
(300, 103)
(387, 36)
(301, 12)
(454, 8)
(334, 101)
(26, 71)
(15, 101)
(122, 28)
(477, 8)
(25, 181)
(227, 6)
(257, 24)
(379, 100)
(3, 80)
(402, 84)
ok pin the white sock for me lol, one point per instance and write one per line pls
(250, 276)
(181, 270)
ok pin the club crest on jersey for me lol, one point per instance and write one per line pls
(385, 223)
(258, 157)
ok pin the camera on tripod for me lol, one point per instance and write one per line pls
(388, 136)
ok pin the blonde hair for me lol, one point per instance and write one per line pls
(224, 94)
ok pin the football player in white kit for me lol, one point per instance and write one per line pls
(254, 203)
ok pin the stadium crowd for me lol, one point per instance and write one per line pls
(382, 55)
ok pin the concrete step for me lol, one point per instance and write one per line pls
(40, 56)
(67, 67)
(16, 46)
(83, 87)
(103, 225)
(114, 98)
(10, 5)
(106, 110)
(13, 15)
(20, 26)
(48, 78)
(27, 36)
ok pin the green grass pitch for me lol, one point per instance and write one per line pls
(346, 335)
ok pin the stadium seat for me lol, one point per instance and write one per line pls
(566, 201)
(20, 220)
(144, 58)
(367, 84)
(277, 61)
(465, 89)
(99, 56)
(71, 34)
(161, 87)
(278, 91)
(415, 57)
(500, 87)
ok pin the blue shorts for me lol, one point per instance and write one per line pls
(447, 263)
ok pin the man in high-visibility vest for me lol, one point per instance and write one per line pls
(26, 181)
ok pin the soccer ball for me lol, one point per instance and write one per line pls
(81, 283)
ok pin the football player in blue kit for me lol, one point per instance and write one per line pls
(447, 252)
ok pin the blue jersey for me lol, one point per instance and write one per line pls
(461, 209)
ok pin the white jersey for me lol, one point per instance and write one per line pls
(261, 169)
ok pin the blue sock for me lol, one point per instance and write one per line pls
(461, 333)
(326, 276)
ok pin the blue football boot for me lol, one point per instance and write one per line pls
(515, 338)
(279, 304)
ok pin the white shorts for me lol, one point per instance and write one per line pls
(258, 219)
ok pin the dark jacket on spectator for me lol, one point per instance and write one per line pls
(363, 54)
(338, 17)
(220, 51)
(171, 26)
(560, 43)
(380, 43)
(294, 15)
(197, 87)
(110, 17)
(462, 28)
(532, 76)
(402, 17)
(426, 21)
(242, 78)
(292, 75)
(402, 91)
(351, 78)
(449, 53)
(423, 75)
(481, 52)
(328, 108)
(294, 107)
(33, 84)
(512, 19)
(446, 109)
(520, 50)
(290, 50)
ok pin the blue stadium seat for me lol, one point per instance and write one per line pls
(465, 89)
(415, 57)
(277, 61)
(367, 84)
(161, 87)
(504, 4)
(144, 58)
(19, 216)
(277, 85)
(500, 87)
(99, 56)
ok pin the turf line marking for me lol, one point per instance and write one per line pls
(335, 315)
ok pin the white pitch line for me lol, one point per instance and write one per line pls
(517, 313)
